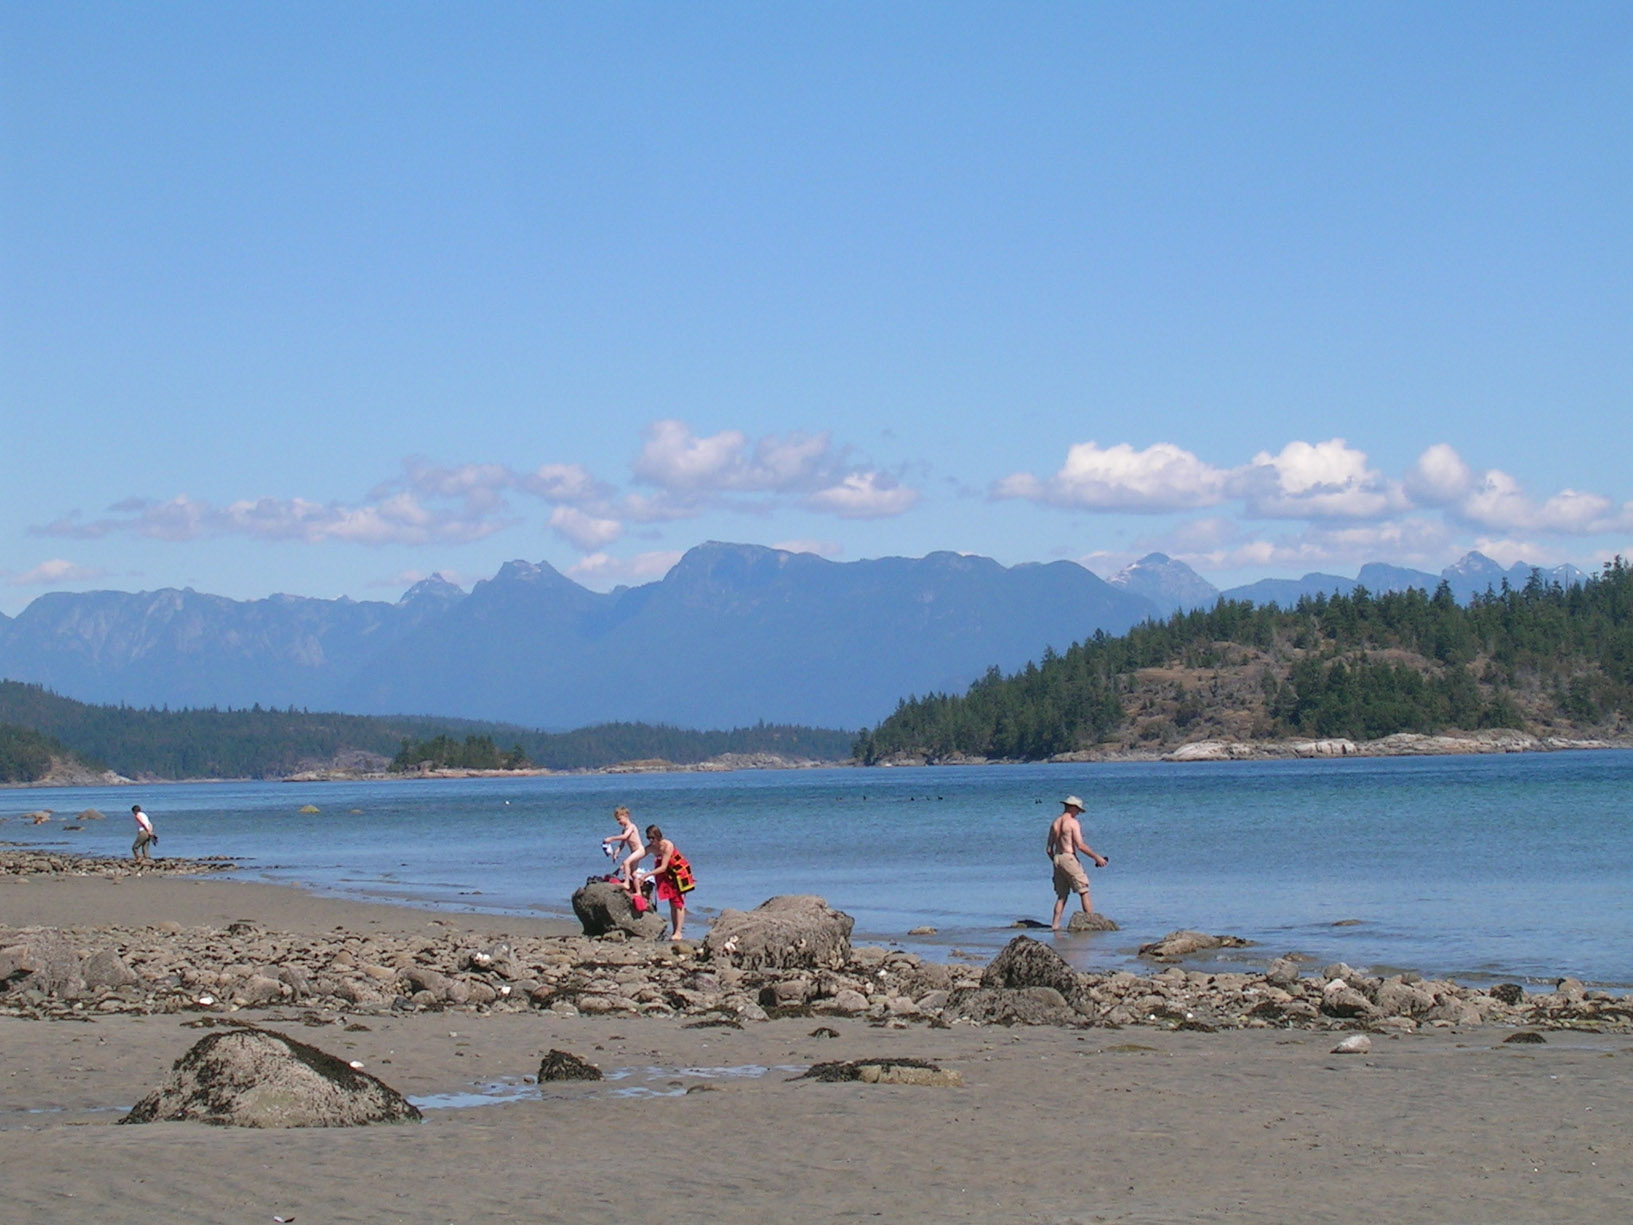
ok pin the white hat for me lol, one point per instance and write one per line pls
(1072, 801)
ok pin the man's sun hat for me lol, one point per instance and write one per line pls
(1072, 801)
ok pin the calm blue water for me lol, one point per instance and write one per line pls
(1480, 868)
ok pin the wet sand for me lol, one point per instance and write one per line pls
(1050, 1125)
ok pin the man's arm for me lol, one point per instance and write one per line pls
(1078, 844)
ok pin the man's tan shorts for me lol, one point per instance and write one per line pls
(1069, 876)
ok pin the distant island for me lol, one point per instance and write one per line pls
(1537, 666)
(46, 738)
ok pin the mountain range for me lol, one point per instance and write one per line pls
(734, 634)
(1174, 587)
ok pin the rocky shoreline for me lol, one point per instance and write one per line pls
(1401, 744)
(743, 972)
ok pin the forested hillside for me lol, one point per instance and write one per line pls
(25, 755)
(260, 743)
(1542, 658)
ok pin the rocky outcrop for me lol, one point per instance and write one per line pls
(47, 863)
(797, 932)
(603, 907)
(247, 1077)
(884, 1072)
(1323, 748)
(1210, 750)
(1181, 944)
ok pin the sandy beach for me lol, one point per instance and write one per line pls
(1050, 1124)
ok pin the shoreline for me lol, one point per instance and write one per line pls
(1399, 744)
(1162, 1119)
(139, 914)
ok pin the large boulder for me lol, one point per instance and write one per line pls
(797, 932)
(247, 1077)
(1023, 962)
(603, 907)
(42, 959)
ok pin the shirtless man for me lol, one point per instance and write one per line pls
(1064, 842)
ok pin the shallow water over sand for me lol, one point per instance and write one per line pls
(1480, 868)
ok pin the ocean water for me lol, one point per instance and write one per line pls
(1490, 868)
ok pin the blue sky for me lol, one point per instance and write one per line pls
(324, 298)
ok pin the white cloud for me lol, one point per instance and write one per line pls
(600, 570)
(864, 495)
(1495, 500)
(400, 518)
(1416, 542)
(479, 487)
(569, 484)
(696, 474)
(1160, 478)
(1507, 551)
(56, 573)
(1439, 477)
(1498, 501)
(585, 532)
(1318, 482)
(675, 459)
(1323, 480)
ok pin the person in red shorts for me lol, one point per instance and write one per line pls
(674, 877)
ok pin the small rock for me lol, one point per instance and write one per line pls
(1095, 922)
(563, 1065)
